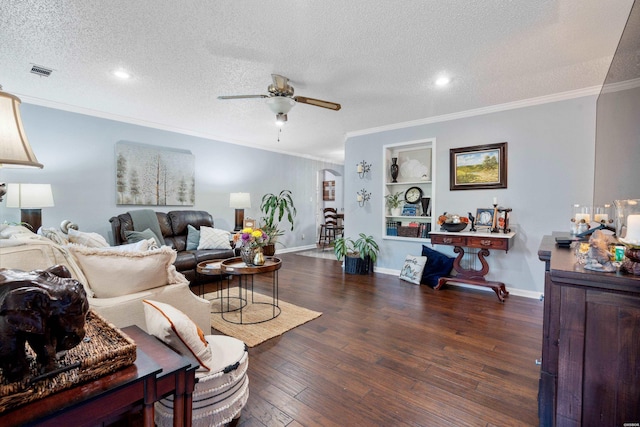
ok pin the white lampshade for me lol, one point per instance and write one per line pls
(29, 196)
(14, 146)
(240, 200)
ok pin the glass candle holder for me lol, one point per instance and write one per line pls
(628, 222)
(603, 214)
(580, 219)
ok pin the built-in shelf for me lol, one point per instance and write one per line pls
(416, 168)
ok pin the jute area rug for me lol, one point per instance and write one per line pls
(290, 317)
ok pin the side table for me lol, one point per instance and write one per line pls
(177, 376)
(237, 267)
(476, 240)
(90, 403)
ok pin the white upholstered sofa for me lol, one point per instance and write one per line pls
(115, 283)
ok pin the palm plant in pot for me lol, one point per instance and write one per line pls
(394, 201)
(359, 255)
(274, 207)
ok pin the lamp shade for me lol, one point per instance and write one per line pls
(29, 196)
(240, 200)
(14, 146)
(280, 104)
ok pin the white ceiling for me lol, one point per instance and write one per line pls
(379, 59)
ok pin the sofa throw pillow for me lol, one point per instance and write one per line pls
(412, 269)
(214, 238)
(91, 240)
(140, 246)
(113, 273)
(193, 238)
(146, 234)
(178, 331)
(437, 266)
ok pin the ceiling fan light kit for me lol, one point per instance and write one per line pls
(281, 100)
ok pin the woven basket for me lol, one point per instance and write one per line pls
(108, 350)
(408, 231)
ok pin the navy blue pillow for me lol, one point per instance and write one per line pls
(438, 265)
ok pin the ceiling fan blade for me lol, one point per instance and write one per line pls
(242, 96)
(280, 82)
(318, 103)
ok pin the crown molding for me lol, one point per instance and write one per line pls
(562, 96)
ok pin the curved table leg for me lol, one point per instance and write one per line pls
(474, 277)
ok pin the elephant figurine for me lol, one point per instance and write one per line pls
(45, 308)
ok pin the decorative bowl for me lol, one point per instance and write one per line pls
(454, 227)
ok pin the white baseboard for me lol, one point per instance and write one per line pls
(512, 291)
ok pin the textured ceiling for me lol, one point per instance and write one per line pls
(378, 59)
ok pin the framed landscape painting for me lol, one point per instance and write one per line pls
(478, 167)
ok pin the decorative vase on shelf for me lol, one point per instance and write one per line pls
(425, 205)
(258, 257)
(394, 169)
(247, 254)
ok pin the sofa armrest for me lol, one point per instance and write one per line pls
(128, 310)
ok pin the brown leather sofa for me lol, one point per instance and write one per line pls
(173, 225)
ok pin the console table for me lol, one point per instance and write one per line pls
(476, 240)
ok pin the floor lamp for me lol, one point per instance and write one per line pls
(30, 198)
(239, 201)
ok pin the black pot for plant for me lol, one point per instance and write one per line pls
(357, 265)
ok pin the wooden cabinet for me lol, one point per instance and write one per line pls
(590, 372)
(415, 162)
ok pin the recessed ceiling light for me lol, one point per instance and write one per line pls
(122, 74)
(443, 81)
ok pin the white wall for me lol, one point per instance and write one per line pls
(78, 153)
(550, 167)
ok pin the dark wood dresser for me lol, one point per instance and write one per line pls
(590, 372)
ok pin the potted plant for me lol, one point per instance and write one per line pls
(359, 254)
(273, 208)
(393, 202)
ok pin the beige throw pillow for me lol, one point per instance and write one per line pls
(177, 330)
(92, 240)
(113, 273)
(214, 238)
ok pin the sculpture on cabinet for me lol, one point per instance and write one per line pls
(45, 308)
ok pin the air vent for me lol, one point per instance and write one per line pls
(41, 71)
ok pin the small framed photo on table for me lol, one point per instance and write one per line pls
(484, 217)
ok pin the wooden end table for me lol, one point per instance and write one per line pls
(89, 403)
(178, 376)
(237, 267)
(476, 240)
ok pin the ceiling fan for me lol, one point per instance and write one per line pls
(281, 100)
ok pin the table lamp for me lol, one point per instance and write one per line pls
(239, 201)
(30, 198)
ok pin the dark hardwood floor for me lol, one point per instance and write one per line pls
(389, 353)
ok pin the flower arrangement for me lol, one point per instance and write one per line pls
(250, 237)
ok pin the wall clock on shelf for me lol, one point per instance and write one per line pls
(413, 195)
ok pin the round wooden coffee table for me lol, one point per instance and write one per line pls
(247, 314)
(212, 269)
